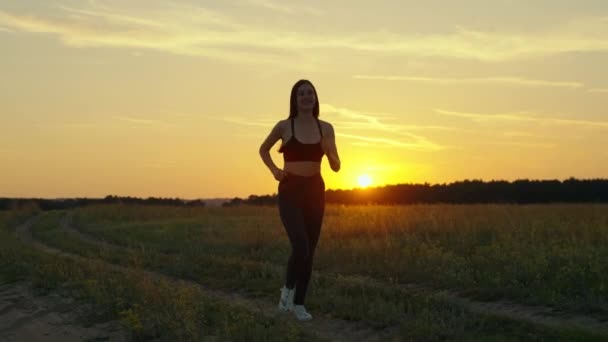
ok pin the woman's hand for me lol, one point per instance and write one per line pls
(279, 174)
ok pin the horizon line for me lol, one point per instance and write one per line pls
(217, 198)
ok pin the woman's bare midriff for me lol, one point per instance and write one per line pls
(303, 168)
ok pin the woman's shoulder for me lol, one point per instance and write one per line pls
(281, 126)
(326, 126)
(324, 123)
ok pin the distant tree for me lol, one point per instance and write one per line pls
(467, 191)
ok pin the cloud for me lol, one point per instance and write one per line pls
(362, 121)
(372, 120)
(395, 128)
(520, 144)
(486, 117)
(481, 81)
(523, 118)
(180, 30)
(366, 121)
(179, 114)
(268, 123)
(255, 136)
(199, 31)
(598, 90)
(73, 124)
(586, 123)
(524, 135)
(115, 18)
(282, 8)
(418, 145)
(144, 122)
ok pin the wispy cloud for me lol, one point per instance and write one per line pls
(199, 31)
(521, 144)
(586, 123)
(178, 114)
(598, 90)
(419, 145)
(260, 122)
(184, 30)
(143, 122)
(115, 18)
(372, 120)
(75, 124)
(522, 118)
(524, 135)
(363, 121)
(518, 81)
(255, 136)
(395, 128)
(283, 8)
(486, 117)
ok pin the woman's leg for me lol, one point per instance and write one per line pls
(293, 221)
(313, 220)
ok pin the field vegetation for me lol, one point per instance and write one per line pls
(389, 268)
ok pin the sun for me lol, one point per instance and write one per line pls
(364, 181)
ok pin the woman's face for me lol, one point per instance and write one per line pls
(306, 97)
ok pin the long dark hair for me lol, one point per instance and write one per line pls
(293, 103)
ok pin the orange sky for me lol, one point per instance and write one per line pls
(172, 99)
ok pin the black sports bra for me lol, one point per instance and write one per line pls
(294, 150)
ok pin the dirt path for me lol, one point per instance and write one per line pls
(27, 316)
(322, 326)
(540, 315)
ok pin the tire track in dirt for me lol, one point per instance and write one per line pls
(321, 326)
(540, 315)
(29, 316)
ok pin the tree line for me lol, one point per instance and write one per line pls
(521, 191)
(68, 203)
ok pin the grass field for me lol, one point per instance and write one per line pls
(388, 268)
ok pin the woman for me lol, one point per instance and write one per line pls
(305, 139)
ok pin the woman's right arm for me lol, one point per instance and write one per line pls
(270, 140)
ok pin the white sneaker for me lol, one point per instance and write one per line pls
(301, 314)
(286, 301)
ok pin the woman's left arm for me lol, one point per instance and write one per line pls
(329, 147)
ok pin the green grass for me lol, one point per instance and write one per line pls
(537, 254)
(9, 219)
(149, 308)
(226, 249)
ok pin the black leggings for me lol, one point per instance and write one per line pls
(301, 206)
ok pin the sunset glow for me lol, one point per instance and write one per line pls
(173, 99)
(364, 181)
